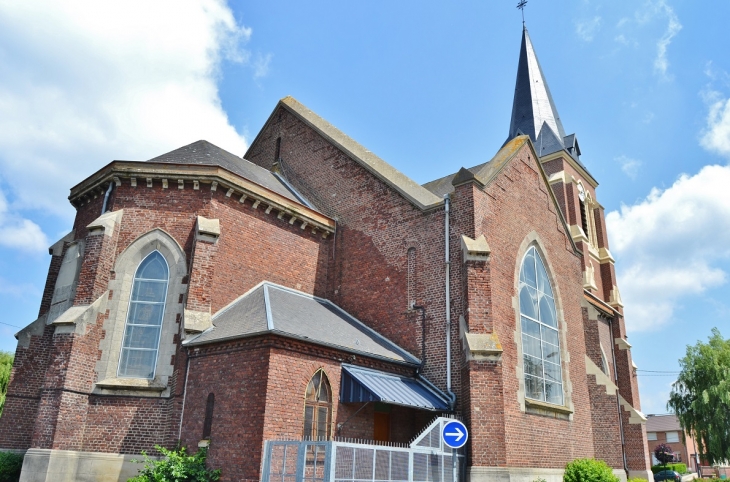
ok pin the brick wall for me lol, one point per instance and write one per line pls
(259, 386)
(24, 390)
(376, 227)
(367, 270)
(128, 425)
(55, 374)
(515, 204)
(604, 407)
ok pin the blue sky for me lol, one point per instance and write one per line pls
(426, 85)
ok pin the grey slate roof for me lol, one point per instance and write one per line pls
(482, 173)
(533, 109)
(662, 423)
(403, 184)
(444, 186)
(204, 153)
(271, 308)
(533, 104)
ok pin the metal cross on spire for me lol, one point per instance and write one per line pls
(521, 5)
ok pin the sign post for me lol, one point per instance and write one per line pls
(454, 434)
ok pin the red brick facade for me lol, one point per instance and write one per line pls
(384, 255)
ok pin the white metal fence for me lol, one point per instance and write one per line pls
(426, 459)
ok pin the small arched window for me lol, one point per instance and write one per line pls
(318, 408)
(540, 337)
(144, 318)
(411, 277)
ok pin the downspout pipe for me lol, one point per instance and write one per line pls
(185, 392)
(452, 396)
(106, 197)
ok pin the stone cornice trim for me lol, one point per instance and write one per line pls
(482, 346)
(57, 248)
(601, 377)
(529, 402)
(567, 157)
(278, 340)
(622, 344)
(104, 224)
(135, 384)
(635, 416)
(601, 305)
(77, 318)
(475, 249)
(215, 176)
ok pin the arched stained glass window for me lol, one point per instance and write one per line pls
(318, 408)
(540, 340)
(144, 318)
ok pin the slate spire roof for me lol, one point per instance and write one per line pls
(533, 109)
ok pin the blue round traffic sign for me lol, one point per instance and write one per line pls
(454, 434)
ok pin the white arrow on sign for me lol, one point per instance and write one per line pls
(458, 434)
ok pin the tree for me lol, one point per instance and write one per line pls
(701, 396)
(664, 454)
(6, 364)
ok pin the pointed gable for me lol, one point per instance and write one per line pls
(404, 185)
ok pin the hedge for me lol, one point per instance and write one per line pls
(10, 465)
(588, 470)
(681, 468)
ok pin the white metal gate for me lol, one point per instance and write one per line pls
(426, 459)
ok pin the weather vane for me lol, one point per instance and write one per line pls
(521, 6)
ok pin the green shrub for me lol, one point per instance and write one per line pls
(10, 465)
(679, 467)
(176, 467)
(588, 470)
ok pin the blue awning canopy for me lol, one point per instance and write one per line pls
(367, 385)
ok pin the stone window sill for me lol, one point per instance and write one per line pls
(136, 384)
(545, 406)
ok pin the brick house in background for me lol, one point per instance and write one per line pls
(665, 429)
(309, 289)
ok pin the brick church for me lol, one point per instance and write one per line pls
(310, 291)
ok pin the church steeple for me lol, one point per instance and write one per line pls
(533, 110)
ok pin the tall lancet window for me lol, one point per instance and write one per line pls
(318, 408)
(540, 340)
(144, 318)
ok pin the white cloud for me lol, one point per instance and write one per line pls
(661, 63)
(86, 82)
(649, 12)
(21, 291)
(655, 393)
(629, 166)
(19, 233)
(716, 135)
(261, 65)
(587, 29)
(671, 245)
